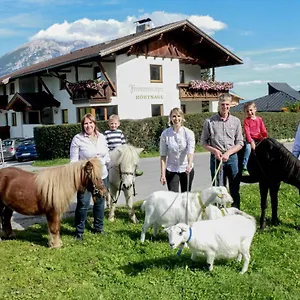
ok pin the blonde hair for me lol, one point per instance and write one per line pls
(225, 97)
(114, 117)
(248, 104)
(176, 110)
(91, 118)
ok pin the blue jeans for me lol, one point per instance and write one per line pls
(246, 154)
(229, 170)
(83, 204)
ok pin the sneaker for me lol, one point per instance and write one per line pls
(139, 173)
(95, 231)
(79, 237)
(245, 172)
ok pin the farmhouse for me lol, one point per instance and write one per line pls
(140, 75)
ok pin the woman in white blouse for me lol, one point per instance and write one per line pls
(177, 146)
(85, 145)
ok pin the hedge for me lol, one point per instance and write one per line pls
(53, 141)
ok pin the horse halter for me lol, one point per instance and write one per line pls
(121, 183)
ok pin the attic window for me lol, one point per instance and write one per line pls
(156, 73)
(12, 88)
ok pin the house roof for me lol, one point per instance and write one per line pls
(3, 101)
(110, 47)
(32, 101)
(270, 103)
(285, 88)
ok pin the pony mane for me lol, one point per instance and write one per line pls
(58, 185)
(125, 154)
(277, 153)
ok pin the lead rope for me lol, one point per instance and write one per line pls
(186, 211)
(216, 173)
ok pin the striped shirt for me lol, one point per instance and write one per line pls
(222, 134)
(114, 138)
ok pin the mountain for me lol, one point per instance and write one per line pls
(34, 52)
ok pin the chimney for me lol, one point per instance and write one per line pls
(143, 25)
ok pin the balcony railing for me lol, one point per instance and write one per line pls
(188, 94)
(88, 95)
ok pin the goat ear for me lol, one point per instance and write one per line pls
(140, 150)
(167, 230)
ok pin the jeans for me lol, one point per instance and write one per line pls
(229, 170)
(246, 154)
(174, 178)
(83, 204)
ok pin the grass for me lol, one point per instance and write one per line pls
(118, 266)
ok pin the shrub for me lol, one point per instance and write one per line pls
(53, 141)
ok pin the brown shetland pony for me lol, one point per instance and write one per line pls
(48, 192)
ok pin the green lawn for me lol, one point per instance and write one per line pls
(118, 266)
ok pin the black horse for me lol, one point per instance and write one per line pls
(270, 164)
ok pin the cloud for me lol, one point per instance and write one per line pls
(265, 67)
(251, 82)
(247, 33)
(7, 32)
(22, 21)
(267, 51)
(97, 31)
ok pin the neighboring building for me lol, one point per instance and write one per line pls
(140, 75)
(279, 95)
(235, 99)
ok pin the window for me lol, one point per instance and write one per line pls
(183, 108)
(12, 88)
(31, 117)
(82, 111)
(103, 112)
(65, 117)
(14, 119)
(205, 106)
(181, 76)
(62, 85)
(155, 73)
(4, 89)
(156, 110)
(97, 73)
(39, 85)
(100, 112)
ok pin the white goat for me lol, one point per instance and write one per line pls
(228, 237)
(165, 208)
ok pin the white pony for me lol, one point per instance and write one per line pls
(123, 166)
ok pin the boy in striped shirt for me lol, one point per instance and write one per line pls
(115, 137)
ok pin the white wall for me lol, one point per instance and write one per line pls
(191, 72)
(135, 91)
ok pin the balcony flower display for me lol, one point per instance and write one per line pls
(210, 85)
(92, 86)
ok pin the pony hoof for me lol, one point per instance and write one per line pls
(134, 220)
(111, 219)
(55, 245)
(276, 222)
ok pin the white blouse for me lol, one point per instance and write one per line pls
(176, 146)
(82, 147)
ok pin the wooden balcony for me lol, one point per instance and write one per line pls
(187, 94)
(91, 96)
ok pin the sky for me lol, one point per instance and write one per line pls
(265, 34)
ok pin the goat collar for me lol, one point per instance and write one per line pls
(190, 236)
(182, 245)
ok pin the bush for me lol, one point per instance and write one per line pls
(53, 141)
